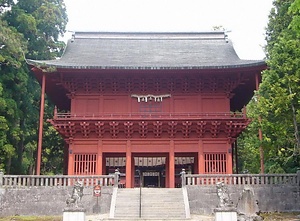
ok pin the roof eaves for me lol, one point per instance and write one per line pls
(162, 67)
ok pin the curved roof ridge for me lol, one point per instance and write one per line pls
(151, 35)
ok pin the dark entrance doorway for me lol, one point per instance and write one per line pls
(150, 171)
(151, 179)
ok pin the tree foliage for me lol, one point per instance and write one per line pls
(279, 94)
(295, 11)
(28, 28)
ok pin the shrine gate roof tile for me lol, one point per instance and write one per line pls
(104, 50)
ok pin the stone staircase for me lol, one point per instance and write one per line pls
(156, 204)
(127, 203)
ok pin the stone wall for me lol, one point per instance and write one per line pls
(282, 195)
(49, 200)
(270, 198)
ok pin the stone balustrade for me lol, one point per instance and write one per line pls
(56, 180)
(241, 179)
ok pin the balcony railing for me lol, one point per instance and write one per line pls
(152, 116)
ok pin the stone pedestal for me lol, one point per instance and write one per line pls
(225, 214)
(74, 214)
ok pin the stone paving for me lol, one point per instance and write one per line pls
(104, 217)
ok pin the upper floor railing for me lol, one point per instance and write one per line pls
(240, 179)
(145, 115)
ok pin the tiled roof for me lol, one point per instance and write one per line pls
(100, 50)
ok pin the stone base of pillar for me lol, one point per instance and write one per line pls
(74, 214)
(225, 214)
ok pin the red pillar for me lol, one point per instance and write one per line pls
(172, 166)
(66, 158)
(229, 160)
(196, 160)
(167, 179)
(99, 159)
(71, 160)
(128, 166)
(132, 171)
(41, 122)
(201, 168)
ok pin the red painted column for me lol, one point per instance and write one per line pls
(41, 122)
(167, 172)
(104, 164)
(229, 160)
(132, 171)
(201, 166)
(172, 166)
(196, 160)
(99, 170)
(128, 166)
(66, 158)
(71, 160)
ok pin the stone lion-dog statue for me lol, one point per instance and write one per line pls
(76, 196)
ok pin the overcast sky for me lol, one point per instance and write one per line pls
(245, 19)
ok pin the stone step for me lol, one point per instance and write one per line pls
(157, 204)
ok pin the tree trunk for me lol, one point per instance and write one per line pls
(296, 131)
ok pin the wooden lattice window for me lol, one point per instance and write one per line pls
(215, 163)
(85, 164)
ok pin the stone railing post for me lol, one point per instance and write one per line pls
(1, 178)
(117, 177)
(182, 173)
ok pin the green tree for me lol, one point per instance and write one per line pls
(279, 94)
(25, 31)
(294, 10)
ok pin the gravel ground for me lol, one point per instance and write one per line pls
(267, 217)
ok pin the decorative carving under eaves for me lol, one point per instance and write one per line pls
(186, 85)
(157, 128)
(150, 84)
(186, 128)
(70, 84)
(171, 84)
(115, 85)
(143, 128)
(201, 128)
(213, 84)
(128, 128)
(87, 85)
(114, 129)
(67, 129)
(215, 128)
(235, 128)
(230, 128)
(172, 130)
(100, 85)
(85, 129)
(143, 85)
(230, 84)
(157, 85)
(99, 129)
(129, 84)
